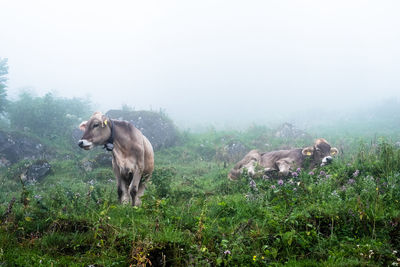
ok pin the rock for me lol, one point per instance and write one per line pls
(158, 128)
(102, 160)
(87, 165)
(4, 162)
(99, 161)
(16, 146)
(76, 135)
(35, 172)
(288, 131)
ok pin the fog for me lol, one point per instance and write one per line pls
(224, 63)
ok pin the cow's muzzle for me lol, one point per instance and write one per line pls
(326, 160)
(85, 144)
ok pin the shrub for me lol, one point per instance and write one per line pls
(47, 116)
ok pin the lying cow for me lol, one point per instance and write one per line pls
(285, 160)
(132, 153)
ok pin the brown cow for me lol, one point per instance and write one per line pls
(132, 153)
(284, 160)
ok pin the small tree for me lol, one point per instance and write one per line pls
(3, 81)
(47, 116)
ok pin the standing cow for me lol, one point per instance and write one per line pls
(283, 160)
(132, 153)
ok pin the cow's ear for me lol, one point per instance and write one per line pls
(308, 151)
(82, 126)
(334, 151)
(104, 121)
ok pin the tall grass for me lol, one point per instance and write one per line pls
(344, 214)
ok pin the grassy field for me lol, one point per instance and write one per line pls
(344, 214)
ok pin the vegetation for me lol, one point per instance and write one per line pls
(3, 80)
(346, 214)
(47, 116)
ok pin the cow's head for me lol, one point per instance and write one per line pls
(322, 153)
(96, 131)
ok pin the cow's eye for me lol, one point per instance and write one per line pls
(95, 125)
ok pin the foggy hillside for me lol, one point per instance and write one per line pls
(232, 133)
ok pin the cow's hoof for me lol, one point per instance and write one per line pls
(137, 203)
(125, 201)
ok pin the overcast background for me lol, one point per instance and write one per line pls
(206, 62)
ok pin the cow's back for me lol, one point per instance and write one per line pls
(132, 146)
(148, 156)
(142, 149)
(269, 159)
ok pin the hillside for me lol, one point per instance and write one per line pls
(344, 214)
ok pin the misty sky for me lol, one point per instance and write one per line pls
(206, 61)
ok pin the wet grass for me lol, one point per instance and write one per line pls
(345, 214)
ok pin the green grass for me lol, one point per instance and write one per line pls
(345, 214)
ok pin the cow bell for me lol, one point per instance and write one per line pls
(109, 146)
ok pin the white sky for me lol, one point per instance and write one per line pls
(206, 61)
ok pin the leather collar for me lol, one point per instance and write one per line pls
(109, 145)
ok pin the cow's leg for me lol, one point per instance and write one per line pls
(142, 187)
(283, 167)
(140, 192)
(251, 168)
(134, 186)
(123, 195)
(122, 187)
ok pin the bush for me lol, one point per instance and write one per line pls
(162, 178)
(47, 116)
